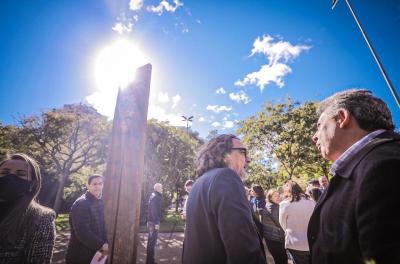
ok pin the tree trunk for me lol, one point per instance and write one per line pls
(60, 192)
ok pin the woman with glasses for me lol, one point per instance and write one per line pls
(27, 231)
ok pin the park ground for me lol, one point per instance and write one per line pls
(168, 248)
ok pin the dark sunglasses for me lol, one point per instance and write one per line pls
(242, 151)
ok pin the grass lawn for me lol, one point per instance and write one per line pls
(172, 222)
(62, 223)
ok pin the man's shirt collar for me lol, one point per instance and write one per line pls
(354, 149)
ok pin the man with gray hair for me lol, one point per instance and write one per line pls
(353, 221)
(219, 224)
(153, 221)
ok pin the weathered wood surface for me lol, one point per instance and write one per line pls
(124, 172)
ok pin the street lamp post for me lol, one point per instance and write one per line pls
(389, 83)
(187, 120)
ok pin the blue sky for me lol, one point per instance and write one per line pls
(255, 50)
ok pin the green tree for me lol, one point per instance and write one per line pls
(9, 143)
(66, 141)
(279, 138)
(168, 160)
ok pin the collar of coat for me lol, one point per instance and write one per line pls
(346, 169)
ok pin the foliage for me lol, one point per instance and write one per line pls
(62, 223)
(172, 222)
(168, 160)
(279, 139)
(65, 142)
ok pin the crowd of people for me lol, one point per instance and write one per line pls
(348, 219)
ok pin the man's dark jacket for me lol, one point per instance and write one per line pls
(219, 224)
(154, 210)
(88, 231)
(356, 218)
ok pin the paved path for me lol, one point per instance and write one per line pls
(168, 249)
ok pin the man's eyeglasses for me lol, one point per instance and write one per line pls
(242, 151)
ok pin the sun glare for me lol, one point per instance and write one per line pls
(114, 67)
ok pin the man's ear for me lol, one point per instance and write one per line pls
(227, 158)
(343, 118)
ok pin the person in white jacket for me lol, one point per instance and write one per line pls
(294, 213)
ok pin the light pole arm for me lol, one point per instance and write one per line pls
(389, 83)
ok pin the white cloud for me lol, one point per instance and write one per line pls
(218, 108)
(279, 54)
(161, 114)
(279, 51)
(163, 97)
(165, 6)
(135, 4)
(202, 119)
(267, 74)
(228, 124)
(122, 28)
(220, 90)
(103, 102)
(216, 124)
(175, 100)
(240, 97)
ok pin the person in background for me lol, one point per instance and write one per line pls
(312, 184)
(27, 230)
(153, 221)
(88, 229)
(258, 201)
(188, 189)
(354, 221)
(323, 182)
(272, 231)
(219, 223)
(315, 193)
(294, 215)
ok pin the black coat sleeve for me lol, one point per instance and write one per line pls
(80, 217)
(377, 221)
(234, 219)
(155, 209)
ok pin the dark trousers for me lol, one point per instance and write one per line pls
(278, 251)
(300, 257)
(151, 242)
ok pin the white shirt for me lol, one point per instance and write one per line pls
(294, 218)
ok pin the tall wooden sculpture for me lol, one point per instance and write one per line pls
(124, 172)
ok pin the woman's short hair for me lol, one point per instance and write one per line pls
(211, 155)
(271, 193)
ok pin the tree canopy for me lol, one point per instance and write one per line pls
(279, 139)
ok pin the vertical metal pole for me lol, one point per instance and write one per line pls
(389, 83)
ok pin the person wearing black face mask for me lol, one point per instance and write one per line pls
(27, 231)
